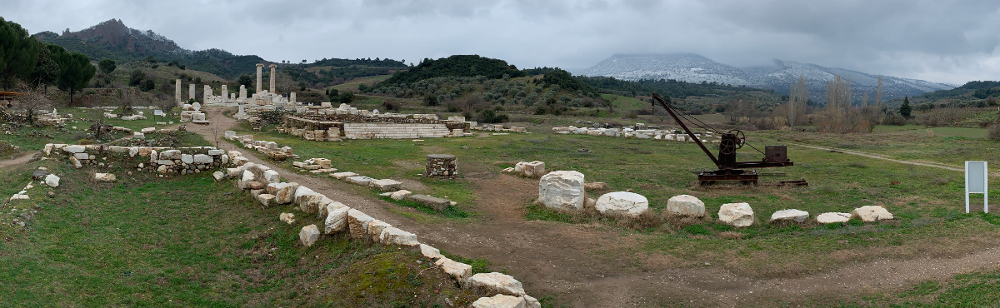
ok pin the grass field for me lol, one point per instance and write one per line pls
(187, 241)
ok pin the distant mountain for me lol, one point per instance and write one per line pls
(113, 40)
(778, 77)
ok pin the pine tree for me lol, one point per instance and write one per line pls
(905, 109)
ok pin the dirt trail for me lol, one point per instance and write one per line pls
(582, 264)
(20, 160)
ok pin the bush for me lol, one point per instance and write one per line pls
(490, 116)
(994, 132)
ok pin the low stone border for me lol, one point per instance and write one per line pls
(342, 218)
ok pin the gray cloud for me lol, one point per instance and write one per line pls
(932, 40)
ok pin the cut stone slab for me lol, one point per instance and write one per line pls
(104, 177)
(218, 176)
(430, 252)
(736, 214)
(685, 205)
(202, 159)
(375, 228)
(308, 200)
(395, 236)
(170, 155)
(499, 301)
(435, 203)
(495, 283)
(266, 199)
(255, 185)
(386, 185)
(870, 213)
(789, 215)
(284, 193)
(309, 235)
(833, 217)
(343, 175)
(74, 149)
(357, 223)
(76, 162)
(336, 220)
(187, 158)
(460, 271)
(271, 176)
(287, 218)
(359, 180)
(562, 190)
(52, 180)
(622, 203)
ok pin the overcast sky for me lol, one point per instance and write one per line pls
(934, 40)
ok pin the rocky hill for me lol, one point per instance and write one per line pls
(778, 76)
(114, 34)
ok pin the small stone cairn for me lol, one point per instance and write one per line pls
(441, 166)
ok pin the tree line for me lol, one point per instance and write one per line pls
(27, 60)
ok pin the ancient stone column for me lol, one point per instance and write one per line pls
(191, 91)
(260, 80)
(243, 92)
(206, 94)
(177, 92)
(272, 78)
(225, 93)
(291, 97)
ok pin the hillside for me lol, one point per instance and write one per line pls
(778, 77)
(456, 66)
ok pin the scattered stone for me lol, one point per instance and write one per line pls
(52, 180)
(272, 176)
(499, 301)
(326, 205)
(430, 252)
(870, 213)
(736, 214)
(307, 199)
(287, 218)
(531, 302)
(39, 175)
(266, 199)
(460, 271)
(359, 180)
(833, 217)
(218, 176)
(357, 223)
(435, 203)
(562, 190)
(495, 283)
(375, 228)
(685, 205)
(789, 215)
(400, 194)
(284, 193)
(395, 236)
(336, 220)
(76, 162)
(104, 177)
(309, 235)
(255, 185)
(622, 203)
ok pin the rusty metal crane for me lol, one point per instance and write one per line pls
(729, 168)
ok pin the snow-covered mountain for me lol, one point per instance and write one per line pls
(779, 76)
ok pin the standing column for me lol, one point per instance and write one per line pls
(191, 92)
(272, 78)
(206, 94)
(291, 97)
(260, 82)
(225, 93)
(243, 92)
(177, 92)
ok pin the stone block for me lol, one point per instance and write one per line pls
(266, 199)
(105, 177)
(309, 235)
(395, 236)
(336, 220)
(622, 203)
(789, 215)
(375, 228)
(871, 213)
(562, 190)
(460, 271)
(343, 175)
(357, 223)
(186, 158)
(685, 205)
(736, 214)
(202, 159)
(435, 203)
(400, 194)
(359, 180)
(495, 283)
(500, 301)
(386, 185)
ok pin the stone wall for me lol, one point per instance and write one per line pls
(394, 131)
(147, 159)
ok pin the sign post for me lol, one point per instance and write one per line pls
(976, 179)
(157, 113)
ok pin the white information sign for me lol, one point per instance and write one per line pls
(976, 178)
(158, 112)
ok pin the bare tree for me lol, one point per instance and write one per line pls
(878, 93)
(798, 95)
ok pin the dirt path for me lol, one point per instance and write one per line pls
(592, 266)
(17, 161)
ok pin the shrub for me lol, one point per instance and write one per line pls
(994, 132)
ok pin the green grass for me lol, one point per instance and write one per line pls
(187, 241)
